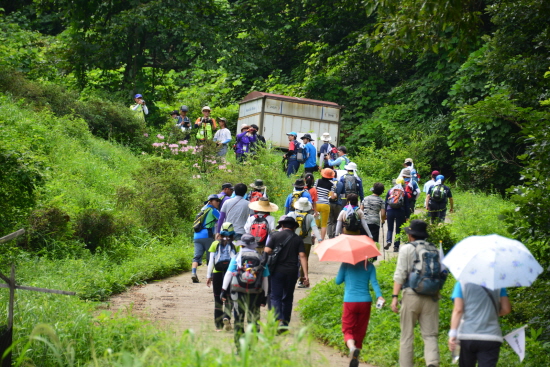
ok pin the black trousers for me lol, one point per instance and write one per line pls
(484, 353)
(221, 311)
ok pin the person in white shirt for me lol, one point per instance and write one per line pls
(222, 137)
(262, 210)
(429, 184)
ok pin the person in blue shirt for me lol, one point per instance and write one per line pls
(310, 155)
(352, 182)
(474, 322)
(203, 239)
(341, 161)
(299, 192)
(357, 303)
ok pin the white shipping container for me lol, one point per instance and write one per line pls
(277, 115)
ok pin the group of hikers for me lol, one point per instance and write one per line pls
(255, 260)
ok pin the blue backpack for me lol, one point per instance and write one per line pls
(426, 278)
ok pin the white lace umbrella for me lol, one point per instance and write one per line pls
(493, 262)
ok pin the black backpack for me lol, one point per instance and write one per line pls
(250, 273)
(273, 257)
(350, 184)
(352, 222)
(198, 223)
(439, 194)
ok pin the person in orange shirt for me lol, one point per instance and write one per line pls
(205, 125)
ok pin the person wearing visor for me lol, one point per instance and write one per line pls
(140, 109)
(205, 125)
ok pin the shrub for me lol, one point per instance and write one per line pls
(94, 226)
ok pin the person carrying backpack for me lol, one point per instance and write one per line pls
(205, 125)
(419, 277)
(204, 227)
(326, 150)
(340, 162)
(221, 253)
(258, 191)
(373, 207)
(325, 192)
(396, 209)
(246, 282)
(299, 191)
(310, 154)
(437, 199)
(335, 206)
(292, 155)
(284, 248)
(352, 218)
(408, 164)
(411, 190)
(306, 226)
(261, 224)
(351, 181)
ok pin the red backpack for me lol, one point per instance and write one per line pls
(260, 228)
(255, 196)
(409, 192)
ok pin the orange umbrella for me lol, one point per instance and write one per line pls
(347, 249)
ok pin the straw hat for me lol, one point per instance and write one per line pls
(258, 184)
(303, 204)
(263, 205)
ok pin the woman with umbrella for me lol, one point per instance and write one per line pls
(484, 266)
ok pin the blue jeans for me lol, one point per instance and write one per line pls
(201, 246)
(293, 167)
(282, 294)
(397, 218)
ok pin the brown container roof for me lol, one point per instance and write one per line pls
(257, 95)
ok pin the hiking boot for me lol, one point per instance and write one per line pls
(195, 278)
(396, 249)
(388, 245)
(354, 355)
(227, 324)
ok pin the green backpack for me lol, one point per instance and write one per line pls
(198, 223)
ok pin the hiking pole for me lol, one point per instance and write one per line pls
(383, 241)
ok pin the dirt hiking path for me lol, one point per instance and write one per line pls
(179, 304)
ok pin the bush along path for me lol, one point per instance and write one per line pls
(179, 304)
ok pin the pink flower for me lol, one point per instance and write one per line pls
(157, 144)
(146, 135)
(160, 136)
(198, 176)
(143, 153)
(182, 142)
(196, 165)
(222, 166)
(228, 170)
(173, 146)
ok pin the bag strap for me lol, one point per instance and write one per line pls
(227, 213)
(491, 298)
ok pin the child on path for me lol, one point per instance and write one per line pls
(246, 267)
(350, 225)
(221, 253)
(357, 304)
(374, 209)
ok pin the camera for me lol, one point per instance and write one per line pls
(380, 304)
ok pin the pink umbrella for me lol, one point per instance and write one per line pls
(347, 249)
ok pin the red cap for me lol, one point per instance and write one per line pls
(435, 173)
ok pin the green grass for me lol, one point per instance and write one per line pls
(476, 214)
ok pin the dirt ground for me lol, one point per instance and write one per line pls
(178, 303)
